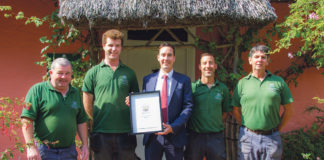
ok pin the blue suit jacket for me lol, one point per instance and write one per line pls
(179, 107)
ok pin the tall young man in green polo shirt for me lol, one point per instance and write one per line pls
(105, 88)
(257, 99)
(54, 113)
(211, 105)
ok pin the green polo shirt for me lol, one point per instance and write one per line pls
(55, 117)
(209, 104)
(110, 113)
(260, 101)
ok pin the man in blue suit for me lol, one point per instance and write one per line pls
(176, 102)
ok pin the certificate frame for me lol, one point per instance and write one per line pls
(145, 112)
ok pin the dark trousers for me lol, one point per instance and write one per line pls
(113, 146)
(211, 145)
(48, 153)
(157, 145)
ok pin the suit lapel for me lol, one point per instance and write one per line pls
(152, 82)
(174, 85)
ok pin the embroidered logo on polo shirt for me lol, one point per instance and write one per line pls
(272, 87)
(218, 96)
(74, 105)
(123, 80)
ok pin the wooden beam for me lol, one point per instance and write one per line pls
(174, 36)
(221, 32)
(224, 46)
(154, 37)
(177, 45)
(157, 46)
(227, 54)
(190, 33)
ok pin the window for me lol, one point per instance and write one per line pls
(164, 36)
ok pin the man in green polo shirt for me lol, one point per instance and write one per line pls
(257, 99)
(105, 89)
(211, 105)
(53, 114)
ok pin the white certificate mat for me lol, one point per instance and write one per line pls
(145, 110)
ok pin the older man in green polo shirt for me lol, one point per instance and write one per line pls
(257, 99)
(105, 89)
(211, 105)
(53, 114)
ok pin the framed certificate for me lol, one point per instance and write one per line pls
(145, 112)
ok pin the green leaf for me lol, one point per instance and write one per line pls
(43, 39)
(44, 49)
(21, 149)
(5, 8)
(7, 15)
(20, 15)
(210, 29)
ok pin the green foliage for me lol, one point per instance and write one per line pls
(5, 8)
(61, 33)
(320, 114)
(296, 68)
(301, 144)
(21, 16)
(319, 100)
(306, 143)
(9, 124)
(66, 34)
(228, 49)
(306, 24)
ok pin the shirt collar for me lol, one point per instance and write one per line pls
(103, 64)
(199, 83)
(50, 87)
(250, 75)
(168, 74)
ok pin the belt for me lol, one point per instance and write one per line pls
(264, 132)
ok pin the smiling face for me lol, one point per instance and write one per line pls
(259, 60)
(166, 58)
(207, 66)
(61, 77)
(112, 49)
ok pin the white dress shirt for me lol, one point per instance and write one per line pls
(159, 84)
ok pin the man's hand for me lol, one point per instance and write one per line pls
(167, 130)
(84, 152)
(33, 153)
(127, 101)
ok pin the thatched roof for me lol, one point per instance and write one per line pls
(128, 14)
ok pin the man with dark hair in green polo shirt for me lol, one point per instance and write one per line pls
(53, 114)
(211, 105)
(257, 99)
(105, 89)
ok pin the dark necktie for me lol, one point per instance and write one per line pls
(164, 99)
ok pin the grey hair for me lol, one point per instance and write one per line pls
(261, 48)
(60, 62)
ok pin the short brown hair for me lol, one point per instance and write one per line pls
(113, 34)
(206, 54)
(165, 44)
